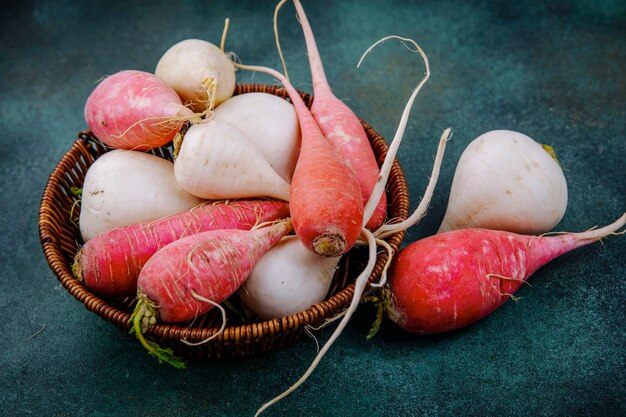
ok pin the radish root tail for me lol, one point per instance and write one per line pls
(359, 287)
(280, 52)
(222, 327)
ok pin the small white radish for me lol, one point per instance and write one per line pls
(271, 123)
(199, 71)
(505, 180)
(287, 279)
(125, 187)
(217, 161)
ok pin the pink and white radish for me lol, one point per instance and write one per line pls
(288, 279)
(271, 123)
(218, 161)
(341, 126)
(135, 110)
(109, 264)
(325, 203)
(451, 280)
(506, 181)
(200, 72)
(190, 276)
(125, 187)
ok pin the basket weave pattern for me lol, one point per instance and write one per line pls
(60, 238)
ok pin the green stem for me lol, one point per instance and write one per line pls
(143, 317)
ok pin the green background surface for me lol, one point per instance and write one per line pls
(553, 70)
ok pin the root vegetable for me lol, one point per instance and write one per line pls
(109, 264)
(199, 71)
(325, 204)
(271, 123)
(506, 181)
(174, 283)
(287, 279)
(135, 110)
(218, 161)
(125, 187)
(342, 127)
(451, 280)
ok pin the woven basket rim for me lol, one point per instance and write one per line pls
(313, 315)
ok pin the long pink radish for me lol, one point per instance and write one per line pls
(342, 127)
(135, 110)
(326, 205)
(188, 277)
(451, 280)
(109, 264)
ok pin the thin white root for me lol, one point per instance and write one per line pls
(359, 287)
(389, 229)
(383, 275)
(611, 229)
(223, 41)
(280, 51)
(379, 189)
(222, 327)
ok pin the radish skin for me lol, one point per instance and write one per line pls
(271, 123)
(288, 279)
(325, 203)
(342, 127)
(451, 280)
(199, 72)
(135, 110)
(217, 161)
(209, 265)
(109, 264)
(505, 180)
(125, 187)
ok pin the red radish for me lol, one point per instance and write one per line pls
(325, 203)
(342, 127)
(176, 283)
(135, 110)
(451, 280)
(109, 264)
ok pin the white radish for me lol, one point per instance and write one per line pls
(125, 187)
(200, 72)
(505, 180)
(271, 123)
(217, 161)
(288, 279)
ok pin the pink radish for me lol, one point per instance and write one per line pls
(451, 280)
(325, 203)
(341, 126)
(188, 277)
(135, 110)
(109, 264)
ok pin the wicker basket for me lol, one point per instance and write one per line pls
(60, 237)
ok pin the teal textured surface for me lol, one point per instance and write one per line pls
(553, 70)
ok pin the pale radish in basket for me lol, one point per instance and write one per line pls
(271, 123)
(451, 280)
(218, 161)
(341, 126)
(135, 110)
(124, 187)
(288, 279)
(505, 180)
(109, 264)
(190, 276)
(200, 72)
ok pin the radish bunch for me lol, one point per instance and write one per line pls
(251, 169)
